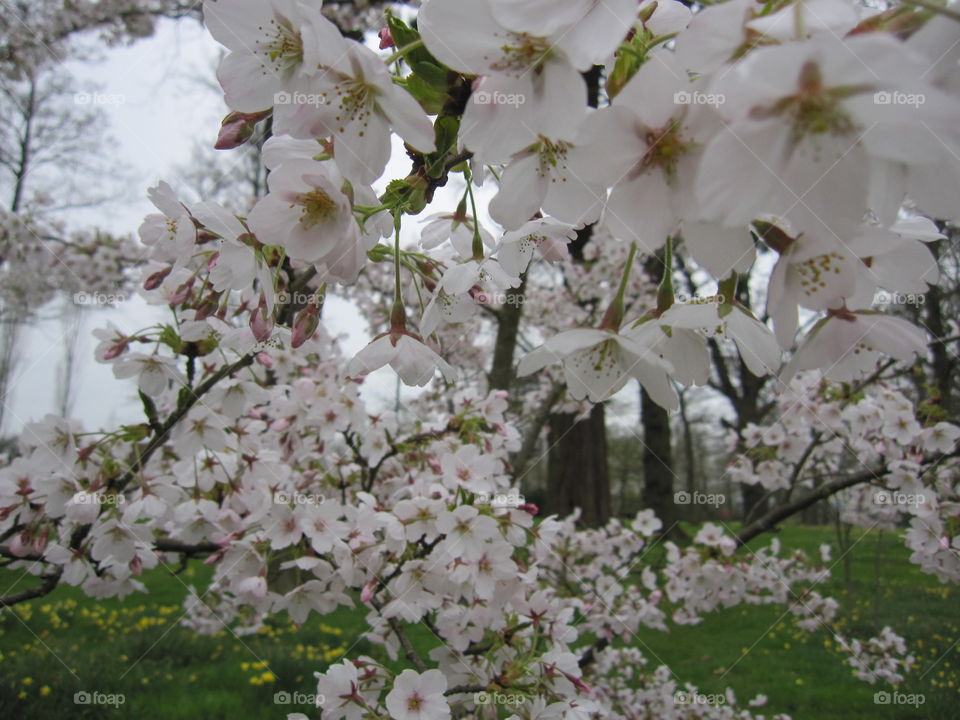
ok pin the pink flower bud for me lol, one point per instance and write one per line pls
(156, 280)
(181, 293)
(261, 321)
(305, 325)
(264, 360)
(386, 39)
(280, 424)
(116, 349)
(366, 595)
(237, 128)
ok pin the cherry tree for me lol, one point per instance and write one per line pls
(601, 139)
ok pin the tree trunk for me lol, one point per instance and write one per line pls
(942, 364)
(658, 471)
(508, 326)
(577, 474)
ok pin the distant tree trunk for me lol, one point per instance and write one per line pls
(942, 364)
(71, 323)
(577, 475)
(508, 326)
(689, 455)
(9, 337)
(658, 471)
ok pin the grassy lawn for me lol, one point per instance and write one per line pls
(62, 644)
(758, 649)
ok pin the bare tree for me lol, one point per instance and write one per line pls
(49, 149)
(50, 136)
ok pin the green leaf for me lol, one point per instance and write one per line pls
(430, 98)
(170, 338)
(425, 67)
(445, 129)
(134, 433)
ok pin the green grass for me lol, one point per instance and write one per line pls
(760, 649)
(64, 643)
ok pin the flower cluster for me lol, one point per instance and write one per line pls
(790, 129)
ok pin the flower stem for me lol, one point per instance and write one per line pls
(398, 315)
(614, 315)
(477, 240)
(400, 52)
(665, 291)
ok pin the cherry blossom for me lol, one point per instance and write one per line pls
(846, 343)
(406, 353)
(270, 44)
(418, 696)
(597, 363)
(719, 135)
(354, 100)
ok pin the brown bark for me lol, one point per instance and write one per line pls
(658, 471)
(577, 475)
(508, 326)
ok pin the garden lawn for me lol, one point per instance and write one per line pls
(54, 647)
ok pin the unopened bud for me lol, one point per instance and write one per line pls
(261, 321)
(386, 38)
(305, 325)
(366, 595)
(181, 293)
(156, 279)
(237, 128)
(116, 349)
(208, 306)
